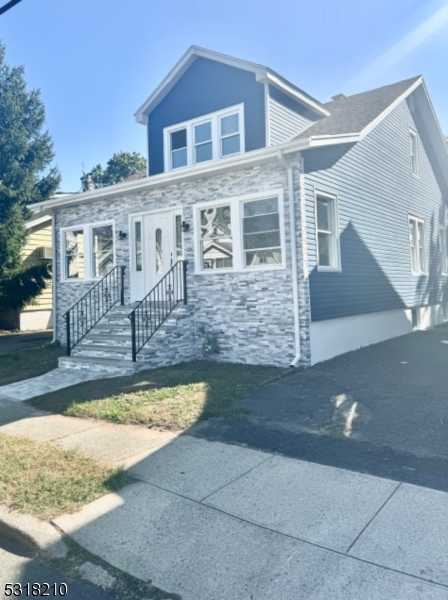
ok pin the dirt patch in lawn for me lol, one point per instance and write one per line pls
(169, 398)
(46, 481)
(17, 366)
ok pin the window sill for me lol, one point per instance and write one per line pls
(205, 162)
(329, 269)
(244, 270)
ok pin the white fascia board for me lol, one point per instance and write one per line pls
(390, 108)
(440, 137)
(182, 65)
(293, 92)
(317, 141)
(38, 221)
(223, 165)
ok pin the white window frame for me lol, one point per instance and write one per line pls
(236, 204)
(443, 254)
(335, 243)
(214, 118)
(414, 158)
(417, 220)
(88, 250)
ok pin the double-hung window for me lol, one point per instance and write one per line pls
(88, 251)
(240, 233)
(443, 250)
(261, 233)
(210, 137)
(417, 245)
(413, 149)
(327, 234)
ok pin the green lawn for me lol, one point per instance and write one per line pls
(17, 366)
(45, 481)
(169, 398)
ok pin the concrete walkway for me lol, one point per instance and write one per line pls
(52, 381)
(212, 521)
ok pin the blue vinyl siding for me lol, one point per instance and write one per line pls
(287, 117)
(206, 87)
(376, 192)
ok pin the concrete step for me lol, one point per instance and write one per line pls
(107, 338)
(103, 353)
(120, 367)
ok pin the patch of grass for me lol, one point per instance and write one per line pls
(16, 366)
(46, 481)
(169, 398)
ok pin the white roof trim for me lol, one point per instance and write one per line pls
(263, 74)
(173, 177)
(273, 79)
(38, 221)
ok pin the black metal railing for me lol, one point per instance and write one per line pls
(153, 310)
(92, 307)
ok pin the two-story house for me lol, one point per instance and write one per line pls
(309, 229)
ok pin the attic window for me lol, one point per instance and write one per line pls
(208, 138)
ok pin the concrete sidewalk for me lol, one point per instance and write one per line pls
(212, 521)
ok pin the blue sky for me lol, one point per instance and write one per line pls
(96, 61)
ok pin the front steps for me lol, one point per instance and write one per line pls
(108, 346)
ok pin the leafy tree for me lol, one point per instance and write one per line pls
(119, 167)
(26, 152)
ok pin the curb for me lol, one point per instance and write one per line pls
(31, 534)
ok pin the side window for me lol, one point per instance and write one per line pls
(443, 250)
(417, 245)
(413, 148)
(326, 232)
(261, 233)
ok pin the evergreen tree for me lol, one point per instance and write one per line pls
(26, 152)
(119, 167)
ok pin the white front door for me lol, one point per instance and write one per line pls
(153, 251)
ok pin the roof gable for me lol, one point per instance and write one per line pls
(263, 75)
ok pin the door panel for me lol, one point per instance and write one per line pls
(153, 251)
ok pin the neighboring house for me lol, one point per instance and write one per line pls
(38, 249)
(310, 229)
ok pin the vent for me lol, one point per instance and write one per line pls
(339, 97)
(414, 315)
(45, 252)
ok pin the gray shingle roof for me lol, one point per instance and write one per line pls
(353, 113)
(137, 175)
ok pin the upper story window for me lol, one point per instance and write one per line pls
(208, 138)
(327, 232)
(417, 245)
(413, 148)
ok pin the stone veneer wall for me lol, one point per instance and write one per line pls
(241, 317)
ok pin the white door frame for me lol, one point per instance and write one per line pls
(139, 281)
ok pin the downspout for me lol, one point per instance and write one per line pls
(53, 275)
(293, 233)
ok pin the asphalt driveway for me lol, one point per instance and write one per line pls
(15, 342)
(381, 410)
